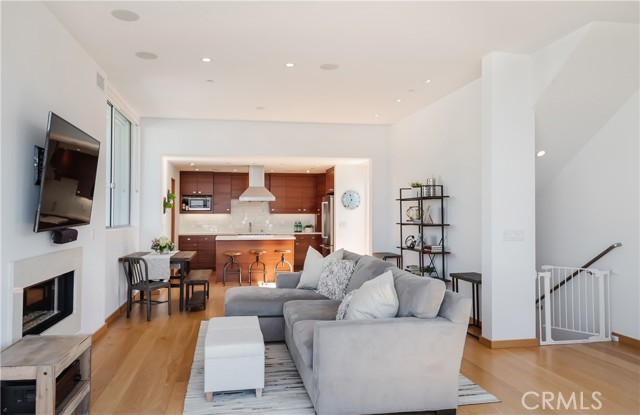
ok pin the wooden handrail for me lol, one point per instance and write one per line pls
(587, 265)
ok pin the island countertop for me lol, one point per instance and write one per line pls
(255, 237)
(229, 233)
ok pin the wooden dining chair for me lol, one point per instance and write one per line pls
(136, 271)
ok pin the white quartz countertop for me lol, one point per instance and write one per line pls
(218, 234)
(255, 237)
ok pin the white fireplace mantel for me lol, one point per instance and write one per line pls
(27, 272)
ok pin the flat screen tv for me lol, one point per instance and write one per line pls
(67, 177)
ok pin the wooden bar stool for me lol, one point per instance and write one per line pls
(231, 264)
(283, 261)
(258, 267)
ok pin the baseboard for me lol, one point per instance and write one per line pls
(629, 341)
(505, 344)
(99, 333)
(112, 317)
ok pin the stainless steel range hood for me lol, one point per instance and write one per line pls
(256, 192)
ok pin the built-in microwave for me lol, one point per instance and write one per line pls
(199, 203)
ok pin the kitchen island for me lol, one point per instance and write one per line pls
(244, 243)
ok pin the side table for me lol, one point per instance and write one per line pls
(389, 255)
(475, 279)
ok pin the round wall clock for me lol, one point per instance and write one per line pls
(351, 199)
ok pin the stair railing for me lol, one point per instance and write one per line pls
(577, 272)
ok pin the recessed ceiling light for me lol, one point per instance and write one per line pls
(259, 108)
(308, 171)
(210, 81)
(541, 153)
(206, 60)
(329, 66)
(192, 164)
(146, 55)
(125, 15)
(398, 100)
(428, 81)
(411, 90)
(376, 115)
(289, 65)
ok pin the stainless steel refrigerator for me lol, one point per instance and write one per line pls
(328, 228)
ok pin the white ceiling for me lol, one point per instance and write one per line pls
(385, 51)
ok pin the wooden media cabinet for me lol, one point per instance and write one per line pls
(42, 359)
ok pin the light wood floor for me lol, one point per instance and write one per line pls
(143, 367)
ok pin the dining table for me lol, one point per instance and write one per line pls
(181, 258)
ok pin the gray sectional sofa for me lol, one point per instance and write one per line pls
(402, 364)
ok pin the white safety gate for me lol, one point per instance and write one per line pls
(573, 305)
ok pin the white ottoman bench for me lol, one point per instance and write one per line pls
(233, 355)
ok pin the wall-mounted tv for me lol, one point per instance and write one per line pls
(67, 178)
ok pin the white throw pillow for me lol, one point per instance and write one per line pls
(314, 263)
(376, 298)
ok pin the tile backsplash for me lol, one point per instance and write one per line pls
(243, 213)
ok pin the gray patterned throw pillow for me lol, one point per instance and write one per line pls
(335, 277)
(344, 305)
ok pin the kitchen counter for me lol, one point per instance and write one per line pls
(218, 234)
(255, 237)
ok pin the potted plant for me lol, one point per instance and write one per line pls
(168, 201)
(430, 270)
(416, 187)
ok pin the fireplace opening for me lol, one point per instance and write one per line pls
(46, 303)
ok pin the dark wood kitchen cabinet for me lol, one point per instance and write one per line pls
(278, 186)
(239, 183)
(205, 247)
(222, 193)
(295, 193)
(196, 183)
(302, 244)
(330, 181)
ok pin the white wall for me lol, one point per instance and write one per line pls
(594, 202)
(353, 226)
(44, 69)
(119, 242)
(443, 140)
(508, 198)
(169, 137)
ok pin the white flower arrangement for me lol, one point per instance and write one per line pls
(162, 245)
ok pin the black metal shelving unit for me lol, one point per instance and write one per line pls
(425, 257)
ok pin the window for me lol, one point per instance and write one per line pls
(118, 168)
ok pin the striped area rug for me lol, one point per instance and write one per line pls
(284, 392)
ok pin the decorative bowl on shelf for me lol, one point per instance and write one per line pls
(414, 213)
